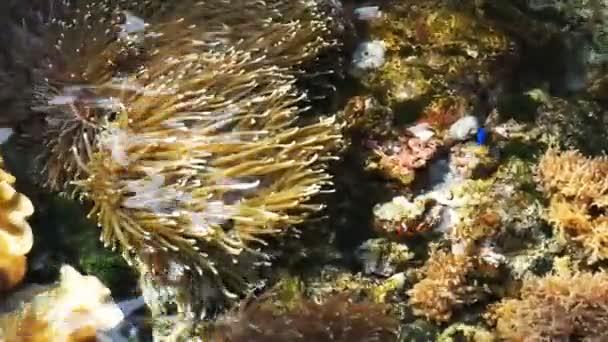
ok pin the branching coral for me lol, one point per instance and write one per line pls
(558, 307)
(578, 189)
(572, 175)
(445, 287)
(198, 152)
(16, 236)
(574, 223)
(336, 319)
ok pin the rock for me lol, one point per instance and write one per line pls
(368, 56)
(464, 128)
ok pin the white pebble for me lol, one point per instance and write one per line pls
(422, 131)
(464, 128)
(369, 55)
(367, 12)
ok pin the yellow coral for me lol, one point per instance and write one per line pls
(73, 310)
(16, 236)
(578, 189)
(445, 287)
(574, 223)
(560, 307)
(575, 176)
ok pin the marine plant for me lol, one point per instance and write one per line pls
(561, 306)
(184, 132)
(338, 318)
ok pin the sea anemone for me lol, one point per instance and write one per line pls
(92, 49)
(197, 152)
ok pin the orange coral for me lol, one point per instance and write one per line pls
(445, 287)
(444, 111)
(559, 307)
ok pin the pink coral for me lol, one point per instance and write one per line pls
(400, 158)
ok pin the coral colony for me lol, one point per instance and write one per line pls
(304, 170)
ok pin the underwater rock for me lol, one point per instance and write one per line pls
(382, 257)
(404, 218)
(364, 114)
(464, 128)
(574, 123)
(435, 49)
(441, 113)
(368, 56)
(75, 309)
(471, 160)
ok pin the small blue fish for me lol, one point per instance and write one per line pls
(482, 136)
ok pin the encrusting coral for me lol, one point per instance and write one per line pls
(400, 158)
(196, 154)
(16, 236)
(338, 318)
(578, 190)
(75, 309)
(562, 306)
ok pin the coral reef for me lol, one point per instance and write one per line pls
(431, 47)
(460, 155)
(338, 318)
(16, 238)
(561, 306)
(75, 309)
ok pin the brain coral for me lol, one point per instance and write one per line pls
(16, 237)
